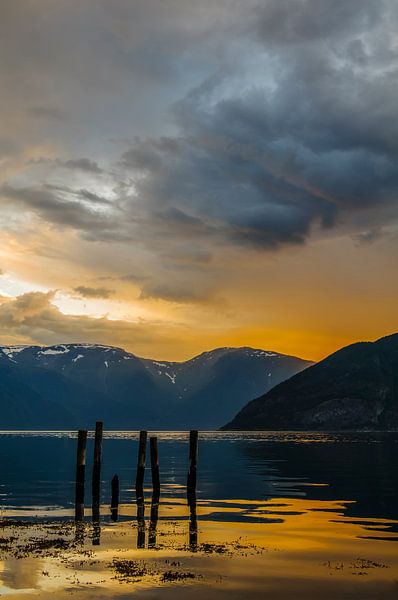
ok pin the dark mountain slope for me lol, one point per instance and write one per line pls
(354, 388)
(22, 406)
(236, 374)
(71, 385)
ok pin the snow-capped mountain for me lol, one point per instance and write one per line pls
(72, 385)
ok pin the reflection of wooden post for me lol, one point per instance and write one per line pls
(114, 497)
(153, 524)
(153, 441)
(193, 527)
(96, 481)
(80, 474)
(193, 462)
(79, 532)
(140, 524)
(96, 533)
(139, 481)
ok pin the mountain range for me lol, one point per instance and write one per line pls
(72, 385)
(354, 388)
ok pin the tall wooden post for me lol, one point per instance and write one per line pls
(153, 442)
(80, 474)
(114, 497)
(193, 463)
(96, 480)
(139, 481)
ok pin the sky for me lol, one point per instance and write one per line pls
(179, 175)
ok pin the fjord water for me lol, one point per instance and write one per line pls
(279, 515)
(37, 469)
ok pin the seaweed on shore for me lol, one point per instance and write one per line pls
(129, 570)
(178, 576)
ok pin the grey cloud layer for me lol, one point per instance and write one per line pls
(313, 144)
(286, 121)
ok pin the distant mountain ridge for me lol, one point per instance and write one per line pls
(71, 385)
(354, 388)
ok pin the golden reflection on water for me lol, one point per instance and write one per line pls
(281, 548)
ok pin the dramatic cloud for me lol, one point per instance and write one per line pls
(314, 143)
(199, 155)
(305, 137)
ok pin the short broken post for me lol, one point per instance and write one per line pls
(114, 497)
(139, 481)
(96, 480)
(80, 474)
(153, 443)
(193, 462)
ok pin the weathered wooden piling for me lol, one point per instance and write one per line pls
(193, 463)
(80, 473)
(153, 443)
(96, 479)
(114, 497)
(139, 481)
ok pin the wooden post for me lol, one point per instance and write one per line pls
(96, 480)
(114, 497)
(193, 462)
(139, 481)
(153, 441)
(80, 474)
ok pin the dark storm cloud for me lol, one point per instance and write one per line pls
(287, 120)
(313, 141)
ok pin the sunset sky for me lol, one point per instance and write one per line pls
(178, 175)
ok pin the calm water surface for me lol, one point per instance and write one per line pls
(361, 469)
(287, 516)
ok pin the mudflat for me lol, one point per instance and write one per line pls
(280, 549)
